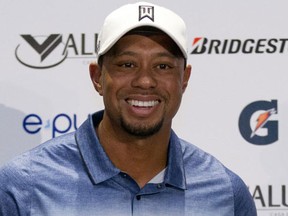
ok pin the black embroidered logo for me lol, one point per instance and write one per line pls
(146, 11)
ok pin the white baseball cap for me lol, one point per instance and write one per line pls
(139, 14)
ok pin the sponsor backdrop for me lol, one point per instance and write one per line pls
(235, 106)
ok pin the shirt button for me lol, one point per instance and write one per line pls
(138, 197)
(159, 186)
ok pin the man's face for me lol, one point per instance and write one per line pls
(142, 83)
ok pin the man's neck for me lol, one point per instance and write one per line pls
(142, 159)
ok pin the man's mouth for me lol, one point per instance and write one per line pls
(143, 104)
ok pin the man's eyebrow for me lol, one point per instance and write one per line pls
(166, 54)
(123, 53)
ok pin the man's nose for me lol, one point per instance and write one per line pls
(144, 78)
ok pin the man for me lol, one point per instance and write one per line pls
(126, 160)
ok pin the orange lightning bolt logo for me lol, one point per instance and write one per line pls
(262, 119)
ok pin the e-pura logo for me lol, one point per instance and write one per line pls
(42, 52)
(256, 123)
(55, 125)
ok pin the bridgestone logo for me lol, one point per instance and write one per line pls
(202, 45)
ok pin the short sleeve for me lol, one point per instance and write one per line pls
(14, 190)
(243, 202)
(8, 206)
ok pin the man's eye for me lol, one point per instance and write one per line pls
(163, 66)
(127, 65)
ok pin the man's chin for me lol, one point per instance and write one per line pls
(141, 130)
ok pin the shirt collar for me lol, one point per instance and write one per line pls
(101, 168)
(175, 174)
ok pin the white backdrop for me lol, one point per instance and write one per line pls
(37, 104)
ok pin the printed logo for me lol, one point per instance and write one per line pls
(42, 52)
(146, 11)
(262, 119)
(57, 125)
(203, 45)
(256, 125)
(271, 197)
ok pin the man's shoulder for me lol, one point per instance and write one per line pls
(45, 154)
(201, 166)
(206, 173)
(195, 158)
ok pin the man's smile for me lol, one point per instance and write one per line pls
(144, 104)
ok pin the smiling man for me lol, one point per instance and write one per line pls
(142, 79)
(126, 159)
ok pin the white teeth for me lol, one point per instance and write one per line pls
(142, 103)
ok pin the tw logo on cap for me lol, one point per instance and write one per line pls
(146, 11)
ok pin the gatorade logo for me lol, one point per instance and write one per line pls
(257, 122)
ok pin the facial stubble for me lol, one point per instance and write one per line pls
(141, 130)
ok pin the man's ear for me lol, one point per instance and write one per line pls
(95, 75)
(186, 77)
